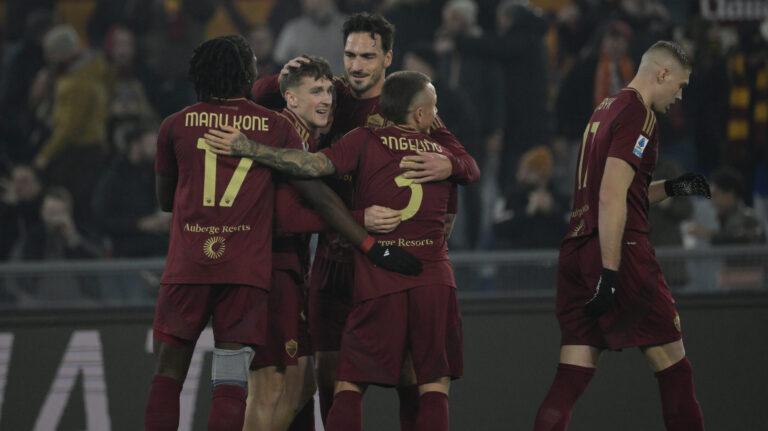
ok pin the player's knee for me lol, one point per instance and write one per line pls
(230, 367)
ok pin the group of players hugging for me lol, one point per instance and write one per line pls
(365, 161)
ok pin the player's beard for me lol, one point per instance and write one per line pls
(374, 78)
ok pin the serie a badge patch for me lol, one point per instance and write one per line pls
(640, 145)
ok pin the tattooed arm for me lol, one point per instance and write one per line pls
(300, 164)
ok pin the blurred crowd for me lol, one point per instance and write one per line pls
(79, 111)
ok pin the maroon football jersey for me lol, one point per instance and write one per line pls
(222, 210)
(373, 156)
(290, 252)
(622, 127)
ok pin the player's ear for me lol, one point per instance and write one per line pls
(290, 98)
(388, 59)
(662, 74)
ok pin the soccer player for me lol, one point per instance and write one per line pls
(368, 43)
(218, 260)
(610, 291)
(393, 316)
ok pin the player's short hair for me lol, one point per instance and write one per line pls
(374, 24)
(222, 68)
(398, 92)
(316, 67)
(674, 50)
(729, 180)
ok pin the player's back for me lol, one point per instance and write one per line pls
(373, 155)
(621, 127)
(223, 206)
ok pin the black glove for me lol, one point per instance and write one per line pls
(393, 258)
(687, 185)
(602, 301)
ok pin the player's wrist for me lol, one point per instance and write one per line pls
(367, 244)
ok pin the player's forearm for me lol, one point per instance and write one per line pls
(656, 192)
(331, 208)
(295, 163)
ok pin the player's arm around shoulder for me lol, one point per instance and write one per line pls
(229, 141)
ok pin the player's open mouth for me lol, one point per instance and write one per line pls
(321, 111)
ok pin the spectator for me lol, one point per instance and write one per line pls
(315, 32)
(57, 236)
(72, 156)
(262, 43)
(415, 20)
(20, 198)
(170, 30)
(128, 102)
(21, 64)
(738, 224)
(531, 216)
(135, 226)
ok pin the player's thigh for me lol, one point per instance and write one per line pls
(580, 355)
(663, 356)
(240, 314)
(173, 359)
(442, 385)
(266, 383)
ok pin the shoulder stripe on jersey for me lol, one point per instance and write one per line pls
(648, 129)
(647, 116)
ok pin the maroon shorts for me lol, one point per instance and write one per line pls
(330, 302)
(238, 313)
(380, 332)
(284, 337)
(643, 313)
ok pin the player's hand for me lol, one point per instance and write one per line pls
(293, 64)
(602, 301)
(380, 219)
(688, 184)
(425, 167)
(228, 141)
(393, 258)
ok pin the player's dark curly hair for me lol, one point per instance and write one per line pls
(222, 68)
(374, 24)
(316, 67)
(675, 50)
(398, 92)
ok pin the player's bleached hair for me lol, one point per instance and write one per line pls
(398, 92)
(674, 50)
(222, 68)
(372, 23)
(316, 67)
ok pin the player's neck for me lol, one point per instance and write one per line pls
(642, 90)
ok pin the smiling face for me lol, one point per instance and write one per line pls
(311, 100)
(365, 63)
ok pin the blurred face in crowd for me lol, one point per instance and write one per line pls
(26, 183)
(261, 41)
(311, 101)
(55, 213)
(317, 9)
(143, 148)
(614, 45)
(722, 200)
(671, 81)
(453, 22)
(365, 63)
(424, 108)
(123, 48)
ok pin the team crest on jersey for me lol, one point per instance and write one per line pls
(640, 145)
(677, 323)
(375, 120)
(291, 347)
(214, 247)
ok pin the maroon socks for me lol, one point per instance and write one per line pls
(227, 408)
(433, 412)
(162, 413)
(305, 419)
(678, 400)
(555, 412)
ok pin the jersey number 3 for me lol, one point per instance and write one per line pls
(209, 184)
(581, 181)
(417, 194)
